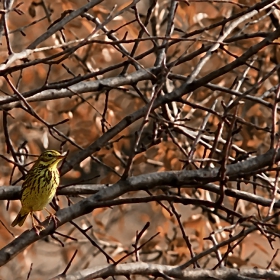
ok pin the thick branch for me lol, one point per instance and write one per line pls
(157, 270)
(142, 182)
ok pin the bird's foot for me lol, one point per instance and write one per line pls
(38, 229)
(54, 218)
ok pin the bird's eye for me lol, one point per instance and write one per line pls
(49, 155)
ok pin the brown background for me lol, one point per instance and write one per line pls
(167, 141)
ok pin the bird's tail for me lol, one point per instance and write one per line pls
(20, 219)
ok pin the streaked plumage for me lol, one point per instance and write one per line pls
(39, 187)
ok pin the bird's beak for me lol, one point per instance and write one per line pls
(62, 156)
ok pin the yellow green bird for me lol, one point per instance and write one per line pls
(39, 187)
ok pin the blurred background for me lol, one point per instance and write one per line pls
(63, 109)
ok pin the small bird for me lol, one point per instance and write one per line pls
(39, 187)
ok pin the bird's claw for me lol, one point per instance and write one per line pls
(54, 218)
(38, 229)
